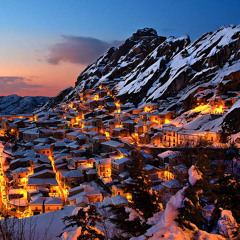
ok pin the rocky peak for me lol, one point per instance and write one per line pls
(142, 33)
(151, 68)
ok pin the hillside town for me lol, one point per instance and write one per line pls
(79, 152)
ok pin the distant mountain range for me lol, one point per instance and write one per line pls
(15, 104)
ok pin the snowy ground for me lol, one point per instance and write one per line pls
(48, 225)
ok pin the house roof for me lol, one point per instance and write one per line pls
(112, 143)
(21, 202)
(72, 174)
(81, 199)
(44, 172)
(121, 160)
(21, 170)
(42, 189)
(99, 137)
(117, 200)
(171, 183)
(91, 171)
(52, 201)
(118, 129)
(73, 133)
(169, 154)
(42, 181)
(36, 200)
(103, 161)
(14, 191)
(38, 147)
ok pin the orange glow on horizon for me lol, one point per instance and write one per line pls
(42, 78)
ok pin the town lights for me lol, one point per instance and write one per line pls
(107, 134)
(167, 121)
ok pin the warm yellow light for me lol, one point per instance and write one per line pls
(146, 109)
(129, 197)
(117, 104)
(107, 134)
(167, 121)
(96, 97)
(218, 109)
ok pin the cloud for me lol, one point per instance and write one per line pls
(14, 84)
(83, 50)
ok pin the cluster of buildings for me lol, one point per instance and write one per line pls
(79, 152)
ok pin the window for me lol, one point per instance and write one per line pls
(43, 152)
(118, 193)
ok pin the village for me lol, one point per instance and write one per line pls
(79, 152)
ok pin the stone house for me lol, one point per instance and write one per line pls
(103, 167)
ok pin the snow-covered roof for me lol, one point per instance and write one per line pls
(72, 174)
(21, 170)
(21, 202)
(120, 160)
(52, 201)
(36, 200)
(103, 161)
(116, 201)
(38, 147)
(43, 172)
(42, 181)
(112, 143)
(168, 154)
(171, 184)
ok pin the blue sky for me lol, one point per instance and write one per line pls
(38, 38)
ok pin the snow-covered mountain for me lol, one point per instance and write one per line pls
(15, 104)
(175, 73)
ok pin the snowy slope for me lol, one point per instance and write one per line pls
(43, 226)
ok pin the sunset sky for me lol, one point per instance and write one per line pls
(44, 45)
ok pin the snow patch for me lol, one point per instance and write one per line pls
(194, 175)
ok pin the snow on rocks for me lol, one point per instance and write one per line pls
(133, 214)
(194, 175)
(72, 235)
(166, 227)
(227, 224)
(202, 235)
(75, 210)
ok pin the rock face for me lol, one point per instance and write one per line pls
(231, 122)
(174, 73)
(15, 104)
(149, 68)
(119, 62)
